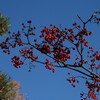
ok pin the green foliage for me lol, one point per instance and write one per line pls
(4, 25)
(5, 87)
(9, 89)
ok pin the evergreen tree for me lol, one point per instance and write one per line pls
(4, 24)
(9, 88)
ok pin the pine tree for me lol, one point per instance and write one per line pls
(9, 88)
(4, 25)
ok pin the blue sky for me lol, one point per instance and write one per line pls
(42, 84)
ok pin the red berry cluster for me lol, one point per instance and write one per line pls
(94, 57)
(17, 62)
(72, 80)
(55, 38)
(61, 54)
(48, 65)
(28, 53)
(44, 48)
(16, 38)
(5, 47)
(94, 89)
(61, 45)
(28, 28)
(50, 34)
(84, 32)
